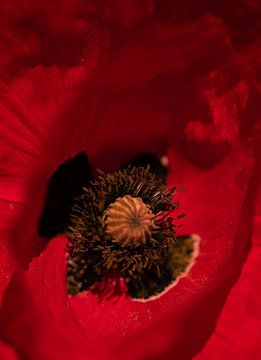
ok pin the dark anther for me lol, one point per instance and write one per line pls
(158, 166)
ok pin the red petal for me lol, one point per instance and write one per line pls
(40, 322)
(25, 162)
(236, 334)
(218, 203)
(7, 353)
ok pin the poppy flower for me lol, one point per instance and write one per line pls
(98, 85)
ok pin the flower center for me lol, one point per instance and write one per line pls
(121, 227)
(129, 221)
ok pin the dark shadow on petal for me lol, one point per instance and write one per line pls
(64, 185)
(203, 154)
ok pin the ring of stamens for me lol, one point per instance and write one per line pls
(121, 224)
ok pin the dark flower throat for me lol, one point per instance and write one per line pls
(120, 228)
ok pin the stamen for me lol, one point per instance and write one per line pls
(121, 224)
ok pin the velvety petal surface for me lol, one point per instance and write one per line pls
(7, 353)
(237, 330)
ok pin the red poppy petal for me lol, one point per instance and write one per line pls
(40, 322)
(7, 353)
(32, 147)
(237, 332)
(218, 203)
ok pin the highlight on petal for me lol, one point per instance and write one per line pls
(7, 352)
